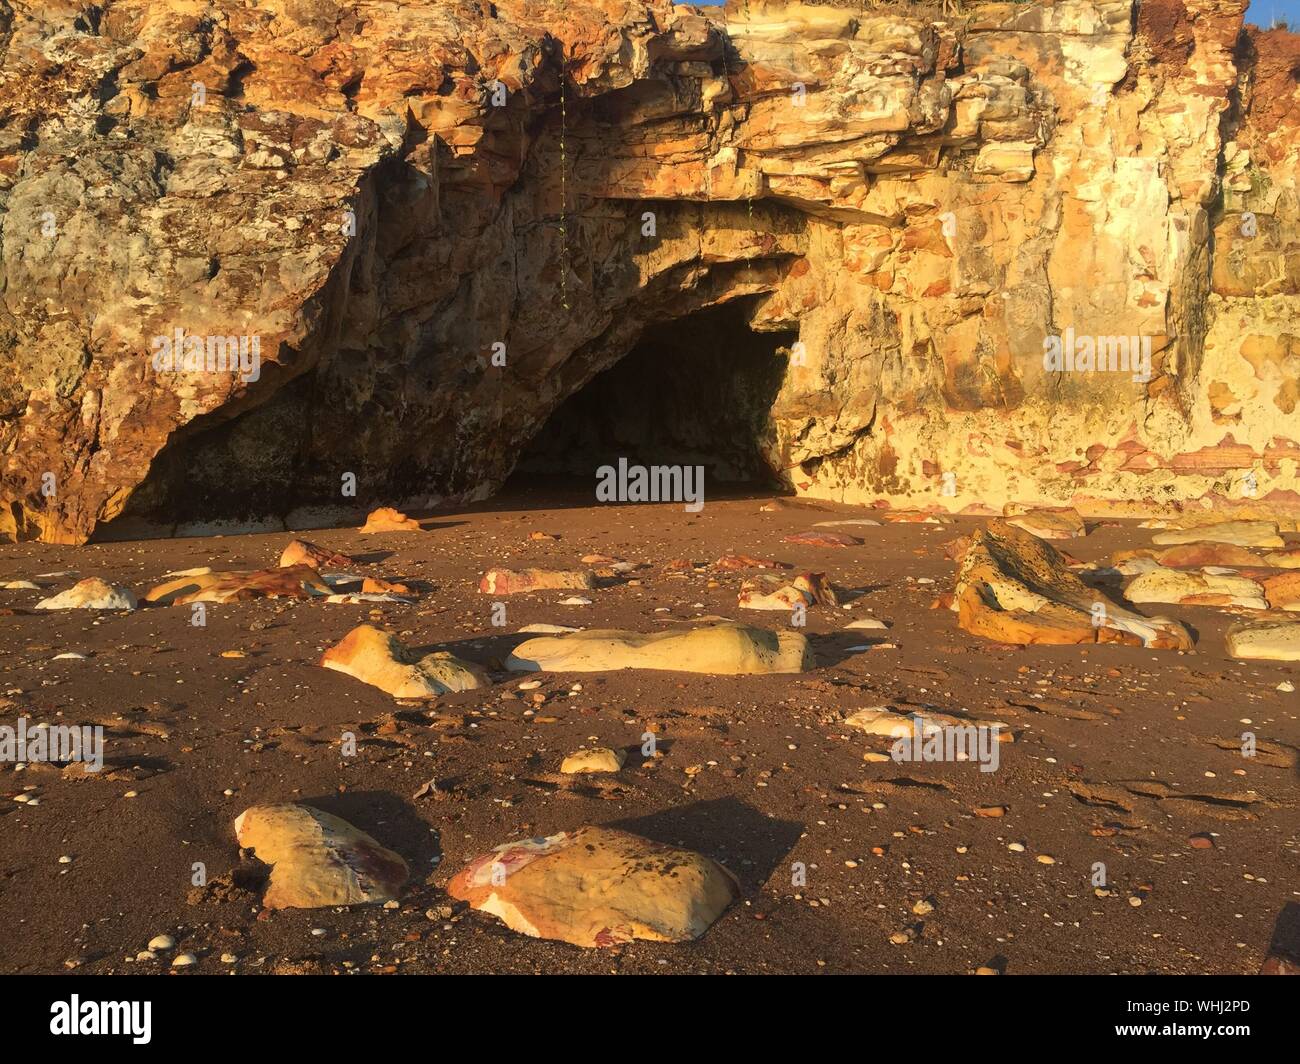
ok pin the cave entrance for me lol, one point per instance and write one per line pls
(696, 391)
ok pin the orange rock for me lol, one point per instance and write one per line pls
(386, 519)
(1015, 588)
(301, 552)
(597, 887)
(293, 581)
(317, 859)
(1283, 591)
(373, 585)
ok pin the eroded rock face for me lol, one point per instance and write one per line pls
(318, 859)
(299, 242)
(1015, 588)
(598, 887)
(720, 650)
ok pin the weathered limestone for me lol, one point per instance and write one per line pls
(302, 552)
(721, 650)
(595, 759)
(775, 593)
(317, 859)
(90, 594)
(929, 202)
(1014, 588)
(1235, 533)
(294, 582)
(1059, 523)
(1264, 641)
(1189, 588)
(598, 887)
(1283, 591)
(377, 658)
(514, 581)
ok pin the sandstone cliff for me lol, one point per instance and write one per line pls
(386, 196)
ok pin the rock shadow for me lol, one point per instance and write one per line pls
(752, 845)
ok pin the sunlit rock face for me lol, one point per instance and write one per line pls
(402, 235)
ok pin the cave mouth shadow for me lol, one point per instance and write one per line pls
(751, 844)
(694, 391)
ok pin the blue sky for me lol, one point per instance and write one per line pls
(1261, 12)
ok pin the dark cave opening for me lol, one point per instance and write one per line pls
(696, 391)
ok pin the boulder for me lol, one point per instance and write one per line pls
(318, 860)
(301, 552)
(513, 581)
(91, 594)
(720, 650)
(596, 759)
(293, 582)
(774, 593)
(1283, 591)
(1192, 588)
(1264, 641)
(377, 658)
(1046, 522)
(1014, 588)
(386, 519)
(597, 887)
(1237, 533)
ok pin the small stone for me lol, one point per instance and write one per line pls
(1043, 858)
(1201, 841)
(924, 907)
(184, 960)
(162, 942)
(1016, 847)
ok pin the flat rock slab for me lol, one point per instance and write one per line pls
(1190, 588)
(719, 650)
(91, 594)
(1264, 641)
(513, 581)
(293, 581)
(376, 657)
(1046, 522)
(1283, 591)
(816, 538)
(317, 859)
(1237, 533)
(598, 887)
(1014, 588)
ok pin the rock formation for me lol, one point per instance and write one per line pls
(317, 859)
(263, 261)
(598, 887)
